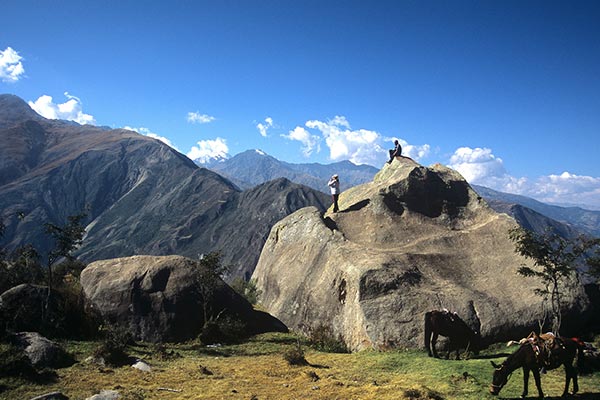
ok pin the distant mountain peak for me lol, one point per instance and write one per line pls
(260, 152)
(14, 110)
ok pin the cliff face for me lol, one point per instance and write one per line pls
(413, 240)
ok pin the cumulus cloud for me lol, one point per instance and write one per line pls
(263, 128)
(359, 146)
(480, 166)
(11, 67)
(197, 118)
(477, 164)
(208, 150)
(147, 132)
(309, 142)
(70, 110)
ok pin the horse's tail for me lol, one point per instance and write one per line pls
(428, 331)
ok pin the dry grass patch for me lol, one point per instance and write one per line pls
(257, 369)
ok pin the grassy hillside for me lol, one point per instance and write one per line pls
(257, 370)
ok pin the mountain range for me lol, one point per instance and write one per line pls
(140, 195)
(143, 197)
(253, 167)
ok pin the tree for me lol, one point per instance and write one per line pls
(208, 280)
(555, 261)
(67, 238)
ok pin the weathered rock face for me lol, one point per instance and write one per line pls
(413, 240)
(156, 297)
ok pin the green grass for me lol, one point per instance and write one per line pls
(257, 368)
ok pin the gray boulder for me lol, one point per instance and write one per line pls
(413, 240)
(156, 298)
(42, 352)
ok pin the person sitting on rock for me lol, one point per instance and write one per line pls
(395, 152)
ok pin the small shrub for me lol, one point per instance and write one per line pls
(228, 329)
(295, 355)
(113, 347)
(323, 339)
(247, 289)
(159, 350)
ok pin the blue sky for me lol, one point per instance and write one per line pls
(506, 92)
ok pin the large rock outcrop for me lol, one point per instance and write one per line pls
(413, 240)
(157, 298)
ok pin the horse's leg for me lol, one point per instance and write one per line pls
(570, 373)
(433, 342)
(567, 379)
(538, 382)
(575, 383)
(428, 343)
(525, 382)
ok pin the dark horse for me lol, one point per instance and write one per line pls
(525, 357)
(455, 329)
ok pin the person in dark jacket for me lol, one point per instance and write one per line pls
(395, 152)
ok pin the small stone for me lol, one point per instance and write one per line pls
(142, 366)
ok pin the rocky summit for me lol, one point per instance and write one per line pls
(414, 239)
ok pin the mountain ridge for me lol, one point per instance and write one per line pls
(141, 196)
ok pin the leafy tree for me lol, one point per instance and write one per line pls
(67, 238)
(209, 280)
(554, 263)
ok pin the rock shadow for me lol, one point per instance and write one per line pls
(355, 207)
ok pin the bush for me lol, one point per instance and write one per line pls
(112, 349)
(228, 329)
(295, 355)
(247, 289)
(323, 339)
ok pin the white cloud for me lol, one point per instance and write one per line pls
(477, 164)
(11, 67)
(309, 142)
(208, 150)
(263, 128)
(359, 146)
(480, 166)
(147, 132)
(197, 118)
(69, 110)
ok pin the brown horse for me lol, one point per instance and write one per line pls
(525, 357)
(451, 326)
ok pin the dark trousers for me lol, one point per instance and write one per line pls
(335, 202)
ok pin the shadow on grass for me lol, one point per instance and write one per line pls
(318, 366)
(490, 356)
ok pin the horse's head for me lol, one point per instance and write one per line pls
(499, 379)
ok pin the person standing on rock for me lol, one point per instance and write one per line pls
(395, 152)
(334, 185)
